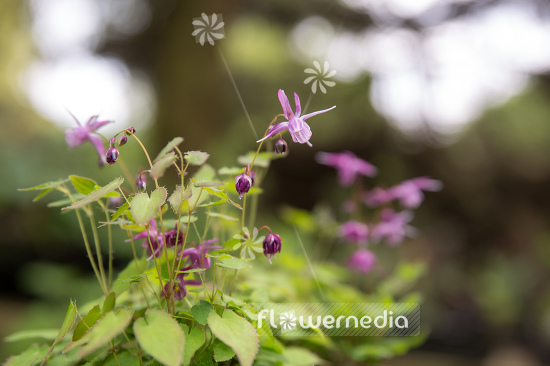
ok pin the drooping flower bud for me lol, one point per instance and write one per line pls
(243, 182)
(112, 155)
(272, 245)
(130, 131)
(172, 237)
(122, 140)
(141, 184)
(281, 147)
(112, 141)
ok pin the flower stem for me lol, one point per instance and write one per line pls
(98, 249)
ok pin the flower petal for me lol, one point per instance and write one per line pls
(298, 106)
(278, 128)
(98, 144)
(307, 80)
(285, 104)
(316, 113)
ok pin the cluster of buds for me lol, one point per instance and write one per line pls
(111, 155)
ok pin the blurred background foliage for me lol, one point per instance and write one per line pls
(485, 237)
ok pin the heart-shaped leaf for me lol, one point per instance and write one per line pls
(178, 197)
(143, 208)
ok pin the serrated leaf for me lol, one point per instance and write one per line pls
(47, 334)
(233, 263)
(212, 204)
(169, 147)
(121, 209)
(222, 352)
(143, 208)
(86, 323)
(109, 303)
(221, 195)
(97, 194)
(230, 171)
(160, 336)
(200, 311)
(229, 328)
(158, 169)
(178, 197)
(196, 157)
(222, 216)
(194, 339)
(47, 185)
(83, 185)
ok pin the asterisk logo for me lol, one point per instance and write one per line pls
(288, 321)
(208, 28)
(320, 76)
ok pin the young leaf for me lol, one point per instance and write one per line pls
(82, 185)
(42, 194)
(200, 311)
(121, 210)
(68, 322)
(86, 323)
(169, 147)
(47, 185)
(160, 336)
(212, 204)
(179, 196)
(144, 208)
(194, 339)
(196, 157)
(162, 164)
(109, 303)
(47, 334)
(132, 269)
(97, 194)
(28, 357)
(229, 329)
(222, 352)
(233, 263)
(222, 195)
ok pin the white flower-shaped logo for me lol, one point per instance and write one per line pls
(288, 321)
(320, 77)
(208, 28)
(249, 243)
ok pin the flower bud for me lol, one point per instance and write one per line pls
(112, 141)
(141, 184)
(272, 245)
(243, 182)
(130, 131)
(122, 140)
(281, 147)
(112, 155)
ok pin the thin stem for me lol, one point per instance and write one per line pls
(155, 260)
(98, 248)
(148, 158)
(110, 236)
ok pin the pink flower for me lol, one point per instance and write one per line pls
(409, 192)
(348, 166)
(377, 197)
(393, 227)
(362, 261)
(157, 240)
(78, 135)
(296, 125)
(355, 232)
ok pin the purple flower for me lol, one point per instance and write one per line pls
(409, 192)
(272, 245)
(362, 261)
(355, 232)
(393, 227)
(197, 256)
(78, 135)
(377, 197)
(243, 182)
(348, 166)
(112, 155)
(156, 237)
(178, 287)
(296, 125)
(173, 237)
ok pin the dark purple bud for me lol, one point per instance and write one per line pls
(114, 202)
(281, 147)
(252, 177)
(272, 245)
(112, 141)
(141, 184)
(111, 155)
(174, 238)
(130, 131)
(242, 184)
(122, 140)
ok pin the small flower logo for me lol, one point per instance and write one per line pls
(288, 321)
(320, 77)
(208, 28)
(249, 243)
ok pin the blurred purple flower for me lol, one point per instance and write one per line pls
(355, 232)
(362, 261)
(409, 192)
(157, 240)
(179, 286)
(197, 256)
(296, 125)
(348, 166)
(393, 227)
(78, 135)
(272, 245)
(377, 197)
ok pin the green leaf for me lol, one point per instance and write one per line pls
(212, 204)
(205, 183)
(97, 194)
(162, 164)
(107, 328)
(230, 171)
(194, 339)
(205, 172)
(222, 352)
(233, 263)
(160, 336)
(86, 323)
(200, 311)
(132, 269)
(66, 201)
(196, 157)
(205, 358)
(222, 216)
(82, 185)
(28, 357)
(178, 197)
(301, 357)
(262, 160)
(221, 195)
(48, 334)
(109, 303)
(237, 333)
(68, 322)
(144, 208)
(47, 185)
(121, 209)
(169, 147)
(122, 359)
(192, 270)
(42, 194)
